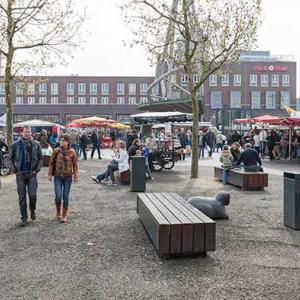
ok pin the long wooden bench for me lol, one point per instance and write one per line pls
(244, 180)
(175, 227)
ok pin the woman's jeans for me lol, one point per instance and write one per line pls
(200, 151)
(62, 187)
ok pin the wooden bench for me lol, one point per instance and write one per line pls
(244, 180)
(175, 227)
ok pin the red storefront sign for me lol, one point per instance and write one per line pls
(272, 68)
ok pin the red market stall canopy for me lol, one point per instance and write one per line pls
(267, 119)
(294, 122)
(242, 121)
(93, 122)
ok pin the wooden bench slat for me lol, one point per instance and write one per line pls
(210, 225)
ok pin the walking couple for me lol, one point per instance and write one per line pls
(26, 161)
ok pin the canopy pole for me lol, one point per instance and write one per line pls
(290, 141)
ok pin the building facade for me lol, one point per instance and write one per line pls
(62, 99)
(257, 84)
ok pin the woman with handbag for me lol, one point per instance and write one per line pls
(63, 166)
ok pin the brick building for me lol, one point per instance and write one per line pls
(65, 98)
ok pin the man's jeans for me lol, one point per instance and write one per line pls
(200, 151)
(96, 147)
(102, 176)
(253, 168)
(111, 169)
(28, 180)
(62, 186)
(76, 148)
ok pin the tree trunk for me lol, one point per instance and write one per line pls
(195, 157)
(9, 104)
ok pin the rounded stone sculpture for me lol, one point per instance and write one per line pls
(212, 207)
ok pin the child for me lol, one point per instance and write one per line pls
(226, 158)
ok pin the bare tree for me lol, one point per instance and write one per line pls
(194, 37)
(35, 34)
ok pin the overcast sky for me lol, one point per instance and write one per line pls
(105, 55)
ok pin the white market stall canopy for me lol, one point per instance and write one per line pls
(36, 123)
(162, 117)
(184, 124)
(3, 121)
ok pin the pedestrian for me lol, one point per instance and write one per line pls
(235, 152)
(136, 145)
(226, 159)
(201, 144)
(250, 159)
(63, 165)
(83, 144)
(75, 141)
(96, 144)
(256, 142)
(183, 142)
(209, 139)
(219, 141)
(26, 161)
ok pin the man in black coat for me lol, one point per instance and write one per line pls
(95, 140)
(251, 160)
(183, 141)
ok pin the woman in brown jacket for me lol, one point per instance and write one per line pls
(63, 165)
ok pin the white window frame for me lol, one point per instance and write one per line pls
(120, 100)
(19, 100)
(31, 100)
(31, 88)
(81, 101)
(20, 88)
(273, 106)
(184, 80)
(104, 88)
(54, 88)
(213, 80)
(256, 106)
(70, 100)
(70, 88)
(54, 100)
(143, 88)
(143, 100)
(196, 78)
(286, 80)
(42, 100)
(253, 80)
(120, 88)
(93, 100)
(105, 100)
(264, 80)
(275, 80)
(43, 88)
(2, 100)
(2, 88)
(231, 99)
(225, 80)
(81, 88)
(132, 89)
(132, 100)
(93, 88)
(237, 79)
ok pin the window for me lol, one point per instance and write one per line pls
(93, 88)
(19, 100)
(81, 100)
(70, 88)
(43, 100)
(70, 100)
(235, 99)
(30, 100)
(196, 78)
(225, 79)
(215, 100)
(19, 88)
(143, 88)
(120, 100)
(143, 100)
(31, 88)
(54, 88)
(81, 88)
(184, 79)
(255, 100)
(104, 100)
(54, 100)
(237, 79)
(285, 80)
(132, 100)
(270, 100)
(104, 88)
(285, 99)
(2, 101)
(275, 80)
(253, 80)
(264, 80)
(93, 100)
(213, 80)
(43, 88)
(132, 88)
(120, 88)
(2, 89)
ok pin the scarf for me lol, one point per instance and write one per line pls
(63, 163)
(27, 149)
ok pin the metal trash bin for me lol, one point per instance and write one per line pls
(291, 199)
(137, 174)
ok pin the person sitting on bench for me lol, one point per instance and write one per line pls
(251, 160)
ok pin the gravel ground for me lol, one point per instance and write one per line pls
(103, 251)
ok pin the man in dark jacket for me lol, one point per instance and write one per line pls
(209, 139)
(83, 144)
(130, 138)
(251, 160)
(26, 161)
(183, 142)
(95, 140)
